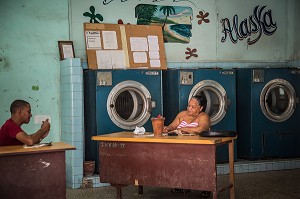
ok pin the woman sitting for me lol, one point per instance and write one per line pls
(193, 120)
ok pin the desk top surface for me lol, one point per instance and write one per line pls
(19, 149)
(148, 137)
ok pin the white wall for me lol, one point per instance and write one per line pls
(29, 66)
(297, 31)
(206, 38)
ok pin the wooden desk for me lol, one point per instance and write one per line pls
(33, 172)
(187, 162)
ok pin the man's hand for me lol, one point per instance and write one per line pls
(45, 127)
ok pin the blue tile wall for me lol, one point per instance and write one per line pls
(229, 65)
(72, 117)
(260, 166)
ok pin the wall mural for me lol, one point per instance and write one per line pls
(93, 17)
(106, 2)
(175, 20)
(259, 22)
(179, 27)
(202, 17)
(191, 53)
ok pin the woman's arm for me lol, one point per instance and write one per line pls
(174, 124)
(203, 125)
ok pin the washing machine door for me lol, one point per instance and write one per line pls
(278, 100)
(216, 97)
(129, 105)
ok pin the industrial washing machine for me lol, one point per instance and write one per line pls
(118, 100)
(218, 86)
(268, 113)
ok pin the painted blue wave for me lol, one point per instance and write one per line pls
(182, 29)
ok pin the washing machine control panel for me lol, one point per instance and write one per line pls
(258, 76)
(186, 78)
(104, 79)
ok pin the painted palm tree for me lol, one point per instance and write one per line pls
(167, 10)
(93, 16)
(144, 13)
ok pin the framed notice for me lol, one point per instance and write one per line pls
(66, 49)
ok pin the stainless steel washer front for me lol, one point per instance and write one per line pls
(129, 104)
(216, 97)
(278, 100)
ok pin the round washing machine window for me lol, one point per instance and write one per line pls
(216, 99)
(129, 104)
(277, 100)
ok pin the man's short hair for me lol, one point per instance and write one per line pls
(17, 104)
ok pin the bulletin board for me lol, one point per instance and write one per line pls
(120, 46)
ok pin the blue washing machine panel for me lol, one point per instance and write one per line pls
(176, 94)
(217, 85)
(151, 80)
(118, 100)
(268, 113)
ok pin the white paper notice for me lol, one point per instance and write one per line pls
(118, 59)
(110, 40)
(103, 59)
(93, 40)
(140, 57)
(155, 63)
(68, 51)
(153, 54)
(138, 44)
(38, 119)
(153, 43)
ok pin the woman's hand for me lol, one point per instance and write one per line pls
(165, 129)
(186, 130)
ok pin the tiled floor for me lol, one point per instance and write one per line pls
(275, 184)
(240, 166)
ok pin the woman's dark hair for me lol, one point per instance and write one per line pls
(201, 100)
(17, 104)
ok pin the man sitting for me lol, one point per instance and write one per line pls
(11, 132)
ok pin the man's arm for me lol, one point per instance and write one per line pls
(36, 137)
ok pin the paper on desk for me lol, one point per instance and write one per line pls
(179, 132)
(37, 145)
(139, 130)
